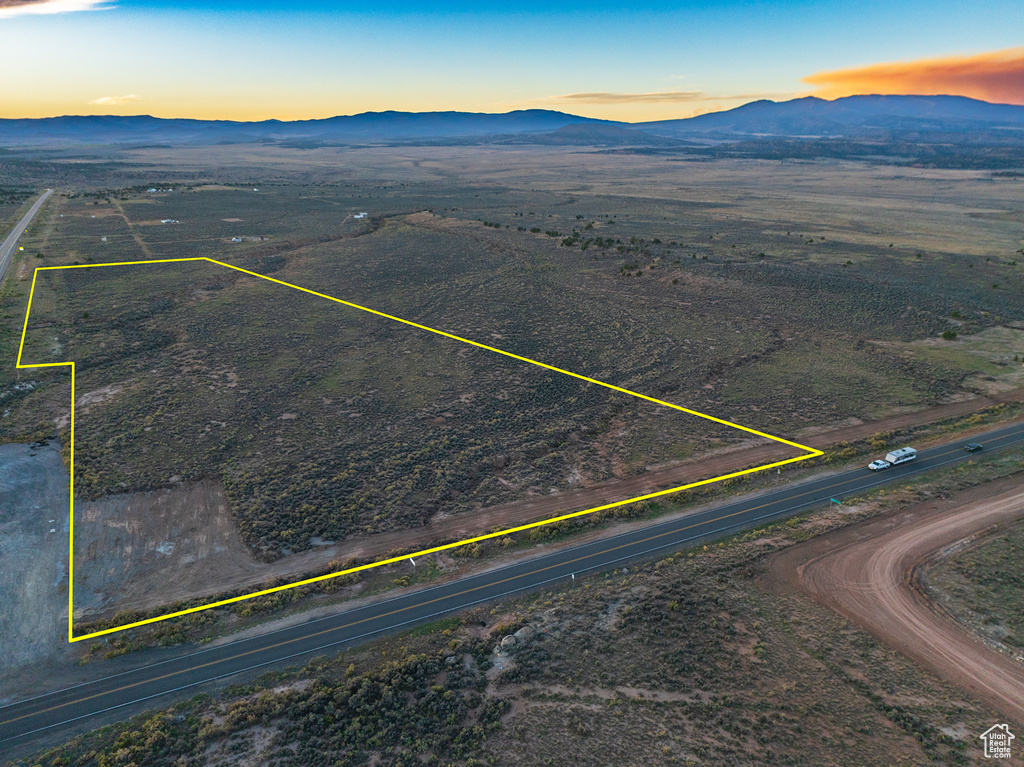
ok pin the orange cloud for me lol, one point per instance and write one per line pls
(996, 76)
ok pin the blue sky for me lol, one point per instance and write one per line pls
(252, 60)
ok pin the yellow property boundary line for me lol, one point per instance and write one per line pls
(811, 452)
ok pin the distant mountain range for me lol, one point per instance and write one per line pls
(360, 128)
(853, 116)
(913, 118)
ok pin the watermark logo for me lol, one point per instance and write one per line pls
(997, 741)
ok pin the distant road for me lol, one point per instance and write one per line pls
(7, 249)
(161, 675)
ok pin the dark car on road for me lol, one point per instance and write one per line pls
(973, 447)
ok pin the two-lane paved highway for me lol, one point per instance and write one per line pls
(7, 248)
(73, 707)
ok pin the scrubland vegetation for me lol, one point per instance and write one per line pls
(695, 658)
(325, 422)
(209, 625)
(982, 586)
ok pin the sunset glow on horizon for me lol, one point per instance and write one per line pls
(996, 76)
(259, 60)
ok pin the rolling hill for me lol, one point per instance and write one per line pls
(913, 118)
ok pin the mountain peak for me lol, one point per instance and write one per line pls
(850, 115)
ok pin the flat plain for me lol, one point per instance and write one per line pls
(785, 296)
(229, 430)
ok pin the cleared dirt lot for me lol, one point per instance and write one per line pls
(144, 549)
(868, 573)
(33, 560)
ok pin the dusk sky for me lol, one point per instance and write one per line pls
(250, 60)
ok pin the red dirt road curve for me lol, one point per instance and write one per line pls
(868, 574)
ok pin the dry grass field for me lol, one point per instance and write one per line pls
(788, 296)
(694, 659)
(980, 583)
(781, 295)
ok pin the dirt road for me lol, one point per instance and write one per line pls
(657, 478)
(734, 459)
(868, 573)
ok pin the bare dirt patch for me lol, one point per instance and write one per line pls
(869, 574)
(85, 402)
(147, 549)
(33, 559)
(98, 396)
